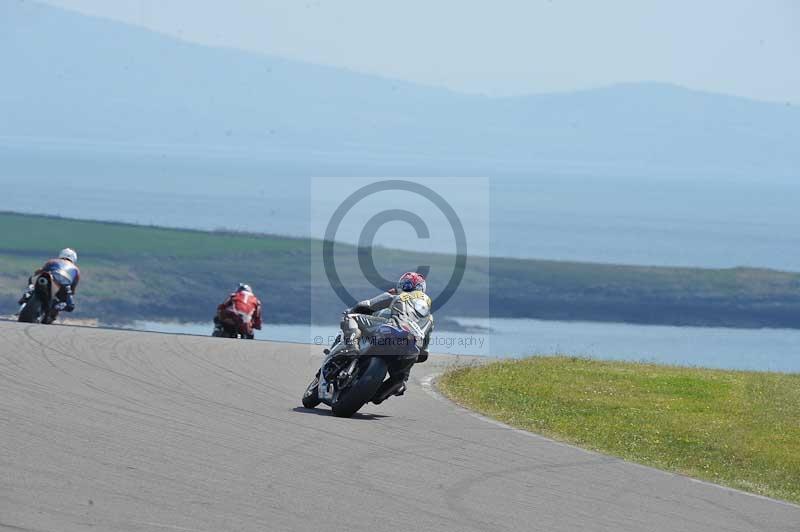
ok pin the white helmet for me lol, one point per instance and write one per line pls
(69, 254)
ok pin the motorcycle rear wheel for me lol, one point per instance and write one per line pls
(32, 311)
(363, 390)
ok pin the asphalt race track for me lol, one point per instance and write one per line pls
(107, 430)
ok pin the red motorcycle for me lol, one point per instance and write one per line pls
(231, 327)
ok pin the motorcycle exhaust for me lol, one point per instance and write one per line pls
(388, 393)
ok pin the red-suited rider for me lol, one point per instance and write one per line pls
(241, 312)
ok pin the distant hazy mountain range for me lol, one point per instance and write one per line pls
(71, 78)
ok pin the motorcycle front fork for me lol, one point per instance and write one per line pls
(26, 295)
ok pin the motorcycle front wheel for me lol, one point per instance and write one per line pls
(311, 396)
(371, 374)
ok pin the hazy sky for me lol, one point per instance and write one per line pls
(749, 48)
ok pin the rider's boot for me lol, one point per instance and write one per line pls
(350, 330)
(351, 339)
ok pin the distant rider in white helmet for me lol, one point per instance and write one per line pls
(67, 265)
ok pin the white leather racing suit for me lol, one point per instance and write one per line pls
(407, 310)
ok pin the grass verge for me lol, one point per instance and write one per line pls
(737, 428)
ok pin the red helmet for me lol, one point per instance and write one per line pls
(411, 281)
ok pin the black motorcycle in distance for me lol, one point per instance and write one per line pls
(44, 304)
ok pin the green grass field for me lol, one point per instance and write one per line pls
(740, 429)
(140, 272)
(34, 234)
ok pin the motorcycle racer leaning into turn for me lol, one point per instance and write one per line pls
(241, 311)
(406, 306)
(67, 265)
